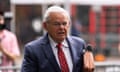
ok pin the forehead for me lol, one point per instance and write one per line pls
(58, 15)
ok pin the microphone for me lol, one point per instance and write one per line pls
(89, 48)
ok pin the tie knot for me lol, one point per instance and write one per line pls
(59, 45)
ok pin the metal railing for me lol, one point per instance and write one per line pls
(14, 68)
(106, 66)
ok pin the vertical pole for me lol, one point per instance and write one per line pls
(44, 7)
(103, 29)
(67, 7)
(12, 24)
(92, 26)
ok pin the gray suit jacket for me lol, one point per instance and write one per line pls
(39, 57)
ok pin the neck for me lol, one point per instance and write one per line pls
(1, 30)
(57, 41)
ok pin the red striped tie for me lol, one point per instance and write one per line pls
(62, 60)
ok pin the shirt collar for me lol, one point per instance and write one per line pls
(53, 43)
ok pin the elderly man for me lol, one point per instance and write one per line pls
(56, 51)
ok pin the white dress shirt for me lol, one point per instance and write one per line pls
(66, 51)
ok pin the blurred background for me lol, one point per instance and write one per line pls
(96, 21)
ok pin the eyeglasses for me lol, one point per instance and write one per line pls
(57, 24)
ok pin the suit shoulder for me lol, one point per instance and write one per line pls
(79, 39)
(35, 42)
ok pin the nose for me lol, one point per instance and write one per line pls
(62, 26)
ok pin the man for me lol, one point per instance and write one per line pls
(56, 51)
(9, 49)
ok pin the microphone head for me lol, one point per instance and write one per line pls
(89, 48)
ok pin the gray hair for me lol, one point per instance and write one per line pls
(54, 9)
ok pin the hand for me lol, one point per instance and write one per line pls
(88, 62)
(1, 47)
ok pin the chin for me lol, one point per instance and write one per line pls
(61, 39)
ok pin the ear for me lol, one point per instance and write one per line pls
(69, 24)
(45, 25)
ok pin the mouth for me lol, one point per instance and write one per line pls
(61, 33)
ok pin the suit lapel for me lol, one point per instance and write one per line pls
(49, 53)
(73, 52)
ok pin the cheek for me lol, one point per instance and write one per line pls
(52, 30)
(67, 28)
(1, 21)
